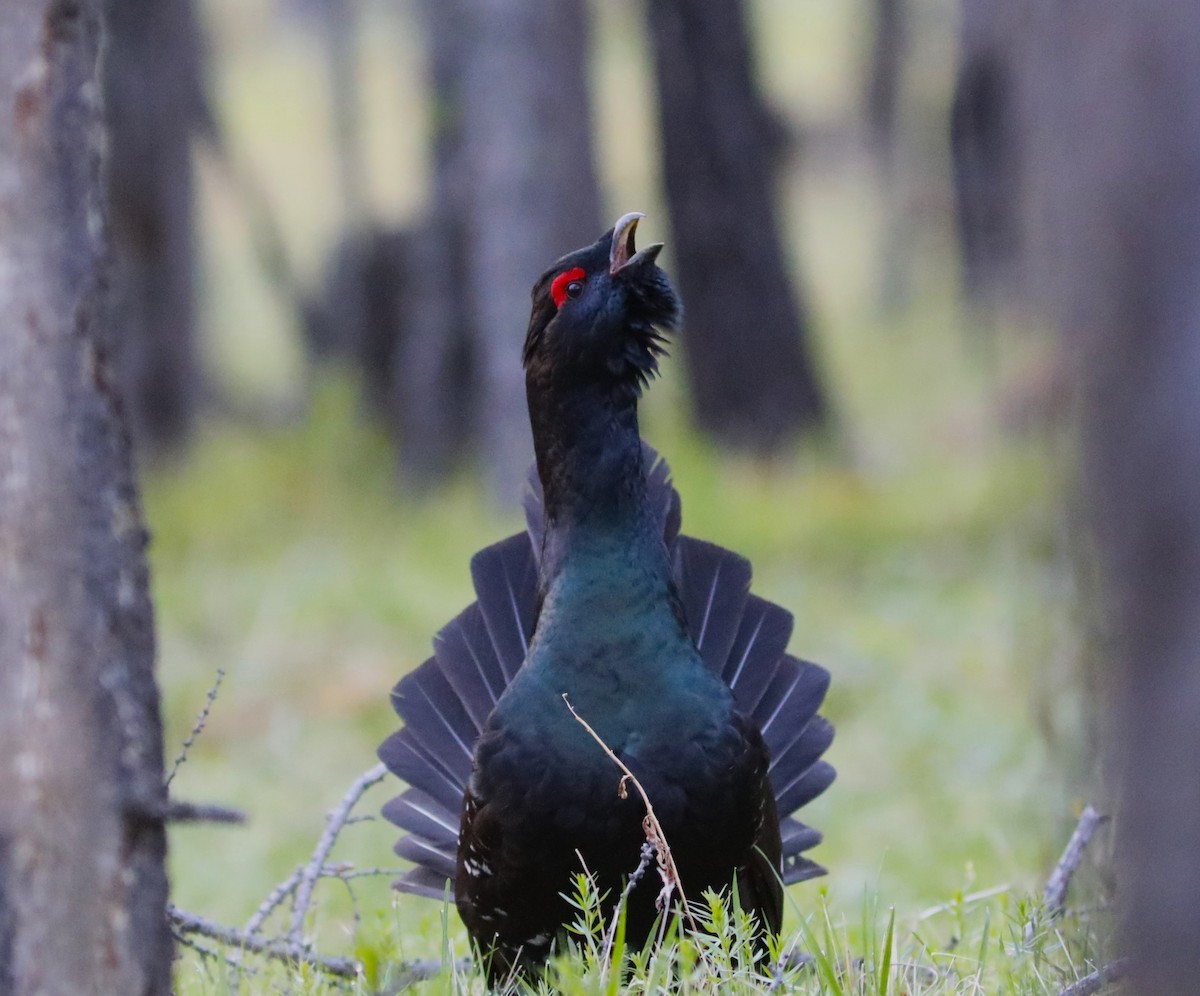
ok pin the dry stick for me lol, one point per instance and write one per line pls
(177, 811)
(610, 937)
(650, 825)
(285, 888)
(282, 950)
(312, 871)
(205, 952)
(273, 901)
(198, 726)
(1054, 896)
(1089, 984)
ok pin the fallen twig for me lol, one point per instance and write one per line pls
(650, 825)
(277, 948)
(312, 871)
(273, 901)
(1055, 895)
(1107, 974)
(648, 854)
(198, 726)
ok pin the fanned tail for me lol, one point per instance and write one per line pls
(445, 702)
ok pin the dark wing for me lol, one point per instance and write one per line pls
(445, 701)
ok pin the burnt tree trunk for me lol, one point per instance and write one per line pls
(527, 129)
(154, 102)
(1122, 157)
(82, 883)
(754, 384)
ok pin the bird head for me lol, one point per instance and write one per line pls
(599, 313)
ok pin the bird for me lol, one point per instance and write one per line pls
(602, 612)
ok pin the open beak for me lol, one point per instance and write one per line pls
(624, 253)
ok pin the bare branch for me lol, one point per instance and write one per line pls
(312, 871)
(648, 854)
(198, 726)
(273, 901)
(277, 948)
(653, 829)
(1055, 895)
(1089, 984)
(177, 811)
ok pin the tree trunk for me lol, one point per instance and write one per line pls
(527, 129)
(433, 403)
(154, 102)
(1122, 160)
(754, 385)
(882, 103)
(987, 135)
(82, 883)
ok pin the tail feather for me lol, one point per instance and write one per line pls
(505, 579)
(404, 759)
(714, 584)
(446, 701)
(421, 851)
(797, 749)
(467, 657)
(422, 814)
(762, 637)
(802, 788)
(435, 718)
(422, 881)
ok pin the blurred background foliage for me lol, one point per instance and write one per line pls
(921, 540)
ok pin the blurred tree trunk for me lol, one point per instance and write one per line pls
(340, 37)
(1121, 156)
(82, 883)
(889, 47)
(987, 134)
(754, 384)
(533, 195)
(154, 103)
(432, 402)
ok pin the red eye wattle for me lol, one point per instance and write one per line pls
(562, 287)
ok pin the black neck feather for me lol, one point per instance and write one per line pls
(589, 452)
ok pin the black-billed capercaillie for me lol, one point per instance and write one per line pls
(654, 638)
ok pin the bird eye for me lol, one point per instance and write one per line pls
(568, 284)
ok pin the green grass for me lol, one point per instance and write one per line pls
(921, 548)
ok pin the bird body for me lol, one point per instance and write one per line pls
(649, 635)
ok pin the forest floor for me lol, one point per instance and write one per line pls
(924, 547)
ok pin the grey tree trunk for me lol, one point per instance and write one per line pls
(82, 883)
(882, 105)
(154, 103)
(754, 383)
(1121, 155)
(527, 125)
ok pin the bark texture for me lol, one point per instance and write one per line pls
(754, 384)
(1121, 157)
(82, 884)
